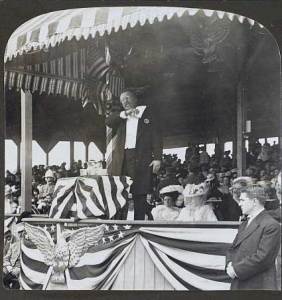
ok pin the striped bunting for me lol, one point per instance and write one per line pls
(97, 196)
(214, 235)
(198, 254)
(186, 261)
(34, 273)
(99, 269)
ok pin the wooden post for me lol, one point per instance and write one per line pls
(241, 153)
(71, 153)
(86, 144)
(47, 158)
(26, 150)
(18, 156)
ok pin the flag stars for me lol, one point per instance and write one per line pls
(104, 240)
(53, 228)
(45, 227)
(127, 226)
(115, 227)
(107, 228)
(120, 235)
(111, 238)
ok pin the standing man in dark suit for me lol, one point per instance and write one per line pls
(138, 148)
(250, 261)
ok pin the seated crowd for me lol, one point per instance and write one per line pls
(214, 175)
(207, 183)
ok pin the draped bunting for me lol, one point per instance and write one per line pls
(189, 258)
(96, 196)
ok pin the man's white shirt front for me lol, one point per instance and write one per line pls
(131, 127)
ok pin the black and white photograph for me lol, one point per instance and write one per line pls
(142, 151)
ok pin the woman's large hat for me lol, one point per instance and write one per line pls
(193, 190)
(210, 177)
(49, 173)
(171, 189)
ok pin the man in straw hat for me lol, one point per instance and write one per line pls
(250, 261)
(48, 188)
(46, 192)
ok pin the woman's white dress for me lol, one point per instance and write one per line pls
(197, 213)
(164, 213)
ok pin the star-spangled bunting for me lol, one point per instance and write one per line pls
(193, 257)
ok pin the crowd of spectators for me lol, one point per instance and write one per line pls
(218, 171)
(43, 183)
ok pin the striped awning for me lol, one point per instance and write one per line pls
(53, 28)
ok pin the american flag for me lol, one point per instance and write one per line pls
(101, 77)
(84, 197)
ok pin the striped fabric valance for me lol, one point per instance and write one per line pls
(61, 76)
(82, 75)
(44, 83)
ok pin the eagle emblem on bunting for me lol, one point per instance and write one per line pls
(70, 247)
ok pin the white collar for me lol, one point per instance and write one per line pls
(140, 111)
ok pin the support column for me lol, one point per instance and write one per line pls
(71, 153)
(18, 156)
(86, 151)
(26, 150)
(241, 153)
(219, 148)
(47, 158)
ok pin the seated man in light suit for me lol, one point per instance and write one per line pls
(139, 148)
(250, 261)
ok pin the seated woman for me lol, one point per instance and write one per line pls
(167, 211)
(195, 207)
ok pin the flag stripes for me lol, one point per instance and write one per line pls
(88, 201)
(103, 273)
(96, 63)
(63, 194)
(214, 235)
(185, 262)
(33, 271)
(101, 196)
(208, 248)
(27, 284)
(210, 274)
(199, 271)
(95, 270)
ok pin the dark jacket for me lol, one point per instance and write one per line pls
(149, 147)
(253, 254)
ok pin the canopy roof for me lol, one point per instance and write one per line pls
(191, 61)
(53, 28)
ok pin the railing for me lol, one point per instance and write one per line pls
(72, 221)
